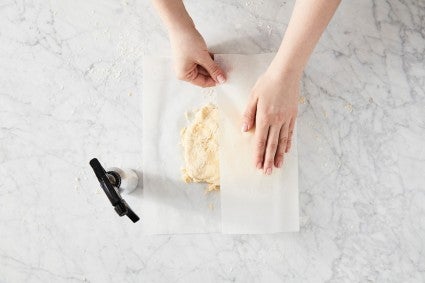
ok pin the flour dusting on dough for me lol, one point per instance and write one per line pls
(200, 146)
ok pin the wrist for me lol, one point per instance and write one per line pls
(174, 15)
(286, 64)
(284, 72)
(183, 26)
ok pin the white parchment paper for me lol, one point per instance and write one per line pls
(250, 201)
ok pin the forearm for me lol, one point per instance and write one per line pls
(174, 15)
(308, 21)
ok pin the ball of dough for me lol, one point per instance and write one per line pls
(200, 146)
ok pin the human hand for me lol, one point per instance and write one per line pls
(192, 61)
(272, 108)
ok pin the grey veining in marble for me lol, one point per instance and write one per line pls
(70, 82)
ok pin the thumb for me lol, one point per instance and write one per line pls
(249, 114)
(213, 69)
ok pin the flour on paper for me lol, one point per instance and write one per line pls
(200, 146)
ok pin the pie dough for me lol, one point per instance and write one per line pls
(200, 146)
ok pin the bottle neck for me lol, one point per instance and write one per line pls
(114, 178)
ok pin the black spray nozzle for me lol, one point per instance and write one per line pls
(119, 204)
(98, 169)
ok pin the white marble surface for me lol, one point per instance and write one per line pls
(70, 79)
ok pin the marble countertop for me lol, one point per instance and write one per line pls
(70, 82)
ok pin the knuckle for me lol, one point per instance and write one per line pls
(269, 117)
(253, 97)
(264, 121)
(283, 140)
(214, 70)
(274, 117)
(272, 146)
(279, 155)
(261, 144)
(280, 116)
(249, 114)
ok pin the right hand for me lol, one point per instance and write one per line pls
(192, 61)
(272, 109)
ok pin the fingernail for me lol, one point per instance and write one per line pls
(244, 127)
(279, 164)
(268, 171)
(221, 79)
(259, 165)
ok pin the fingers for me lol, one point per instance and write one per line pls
(261, 133)
(198, 77)
(249, 114)
(203, 80)
(272, 144)
(282, 145)
(213, 69)
(290, 132)
(202, 70)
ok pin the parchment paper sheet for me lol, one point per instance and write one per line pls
(250, 201)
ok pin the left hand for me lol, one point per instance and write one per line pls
(272, 108)
(192, 61)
